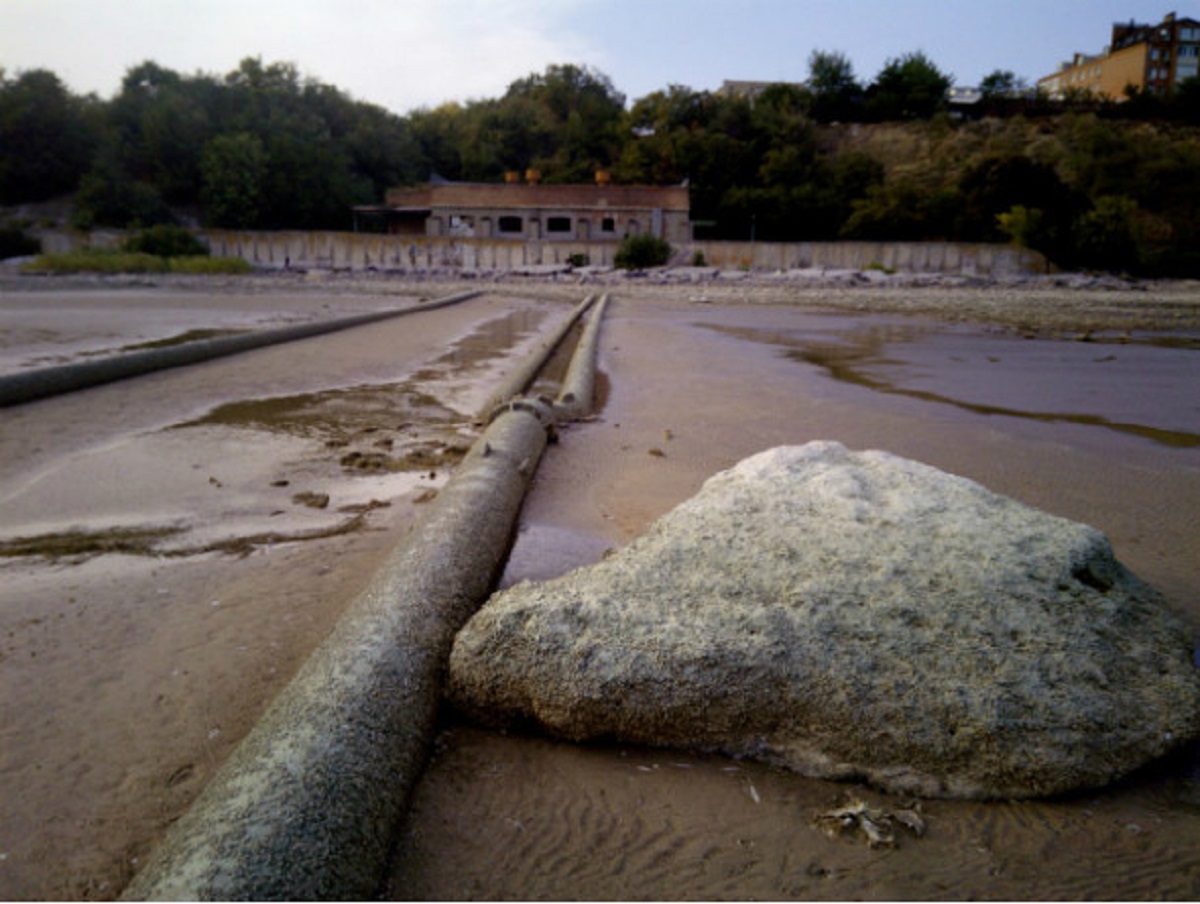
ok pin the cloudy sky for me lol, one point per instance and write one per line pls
(404, 54)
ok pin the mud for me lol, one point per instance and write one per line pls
(695, 388)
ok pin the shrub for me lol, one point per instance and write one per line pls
(578, 259)
(699, 260)
(166, 241)
(640, 251)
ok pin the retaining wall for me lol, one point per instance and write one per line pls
(363, 251)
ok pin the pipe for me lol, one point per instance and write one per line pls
(308, 805)
(578, 392)
(29, 386)
(519, 379)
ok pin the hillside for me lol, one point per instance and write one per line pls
(1091, 186)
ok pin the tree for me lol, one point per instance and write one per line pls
(1000, 83)
(47, 137)
(233, 168)
(1104, 236)
(908, 87)
(836, 92)
(996, 183)
(585, 114)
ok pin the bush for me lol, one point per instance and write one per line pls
(640, 251)
(166, 241)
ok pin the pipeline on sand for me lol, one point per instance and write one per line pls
(29, 386)
(307, 806)
(519, 379)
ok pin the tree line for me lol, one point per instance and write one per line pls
(1091, 184)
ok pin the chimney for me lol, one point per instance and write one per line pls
(532, 176)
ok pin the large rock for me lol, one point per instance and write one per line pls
(852, 616)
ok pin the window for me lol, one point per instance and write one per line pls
(510, 225)
(558, 224)
(608, 224)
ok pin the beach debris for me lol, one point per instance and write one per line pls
(873, 825)
(311, 499)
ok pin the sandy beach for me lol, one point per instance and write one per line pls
(176, 545)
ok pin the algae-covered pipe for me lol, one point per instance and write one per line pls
(29, 386)
(308, 804)
(577, 395)
(519, 379)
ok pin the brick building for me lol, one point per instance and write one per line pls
(1153, 58)
(531, 211)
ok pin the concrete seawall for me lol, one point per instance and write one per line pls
(369, 251)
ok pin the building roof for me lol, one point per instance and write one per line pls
(526, 195)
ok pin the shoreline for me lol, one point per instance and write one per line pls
(1071, 303)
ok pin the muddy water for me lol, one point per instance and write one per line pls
(695, 388)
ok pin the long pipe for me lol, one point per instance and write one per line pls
(29, 386)
(308, 804)
(576, 397)
(520, 378)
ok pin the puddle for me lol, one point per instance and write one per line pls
(334, 415)
(1139, 386)
(544, 551)
(486, 343)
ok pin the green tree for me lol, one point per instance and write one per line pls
(996, 183)
(837, 95)
(1104, 236)
(47, 137)
(585, 115)
(233, 169)
(908, 87)
(999, 83)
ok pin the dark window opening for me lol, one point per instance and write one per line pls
(558, 224)
(510, 224)
(608, 224)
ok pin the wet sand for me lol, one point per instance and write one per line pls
(695, 388)
(129, 677)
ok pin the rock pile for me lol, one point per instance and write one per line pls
(851, 616)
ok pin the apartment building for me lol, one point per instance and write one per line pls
(1153, 58)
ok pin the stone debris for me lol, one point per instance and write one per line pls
(873, 825)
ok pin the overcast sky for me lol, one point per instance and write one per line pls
(404, 54)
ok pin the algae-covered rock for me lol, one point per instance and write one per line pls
(851, 616)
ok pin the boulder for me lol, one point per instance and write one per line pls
(850, 615)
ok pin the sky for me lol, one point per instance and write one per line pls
(407, 54)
